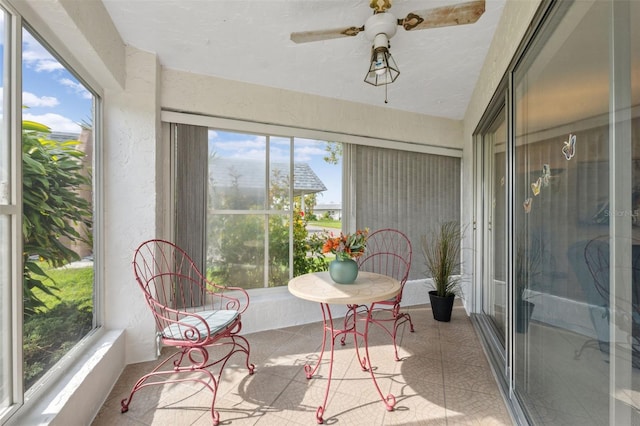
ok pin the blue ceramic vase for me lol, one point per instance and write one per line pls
(343, 271)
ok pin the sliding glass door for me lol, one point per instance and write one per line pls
(494, 291)
(561, 219)
(573, 162)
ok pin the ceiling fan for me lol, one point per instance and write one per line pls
(382, 25)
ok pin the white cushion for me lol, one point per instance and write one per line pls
(217, 320)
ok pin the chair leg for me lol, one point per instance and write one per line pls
(238, 344)
(245, 348)
(211, 383)
(350, 316)
(400, 319)
(592, 344)
(411, 329)
(185, 361)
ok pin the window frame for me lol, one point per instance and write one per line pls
(267, 212)
(21, 399)
(12, 100)
(348, 183)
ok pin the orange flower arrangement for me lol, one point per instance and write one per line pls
(346, 246)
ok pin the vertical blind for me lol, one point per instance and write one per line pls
(191, 191)
(409, 191)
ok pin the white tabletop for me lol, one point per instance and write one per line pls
(368, 288)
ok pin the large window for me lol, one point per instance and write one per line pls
(46, 253)
(8, 220)
(252, 207)
(254, 198)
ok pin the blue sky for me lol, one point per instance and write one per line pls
(239, 145)
(52, 95)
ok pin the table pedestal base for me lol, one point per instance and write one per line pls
(365, 362)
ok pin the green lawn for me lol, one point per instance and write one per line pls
(68, 317)
(327, 223)
(75, 285)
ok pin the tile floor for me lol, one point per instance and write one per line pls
(443, 379)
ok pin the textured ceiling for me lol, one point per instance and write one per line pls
(249, 41)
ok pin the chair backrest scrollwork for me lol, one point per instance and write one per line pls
(388, 252)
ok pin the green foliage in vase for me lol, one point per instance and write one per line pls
(346, 246)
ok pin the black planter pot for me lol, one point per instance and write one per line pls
(523, 315)
(441, 306)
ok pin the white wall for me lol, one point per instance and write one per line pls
(132, 140)
(199, 94)
(83, 33)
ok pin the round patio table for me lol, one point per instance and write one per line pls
(368, 288)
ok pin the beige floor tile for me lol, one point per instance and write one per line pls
(417, 370)
(469, 377)
(466, 407)
(112, 416)
(443, 379)
(464, 353)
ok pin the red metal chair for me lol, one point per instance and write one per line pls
(192, 314)
(388, 252)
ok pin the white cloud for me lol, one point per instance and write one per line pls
(306, 152)
(239, 147)
(305, 149)
(253, 154)
(56, 122)
(37, 57)
(32, 101)
(279, 155)
(76, 87)
(48, 65)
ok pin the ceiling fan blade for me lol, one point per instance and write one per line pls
(457, 14)
(309, 36)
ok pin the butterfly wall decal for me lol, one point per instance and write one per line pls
(569, 148)
(546, 174)
(535, 186)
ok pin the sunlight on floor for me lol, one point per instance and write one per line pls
(443, 378)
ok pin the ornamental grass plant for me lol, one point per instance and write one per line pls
(441, 250)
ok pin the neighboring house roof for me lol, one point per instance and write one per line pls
(305, 178)
(63, 137)
(328, 206)
(225, 172)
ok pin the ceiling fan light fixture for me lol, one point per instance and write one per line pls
(382, 68)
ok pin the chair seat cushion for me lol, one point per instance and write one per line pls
(216, 320)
